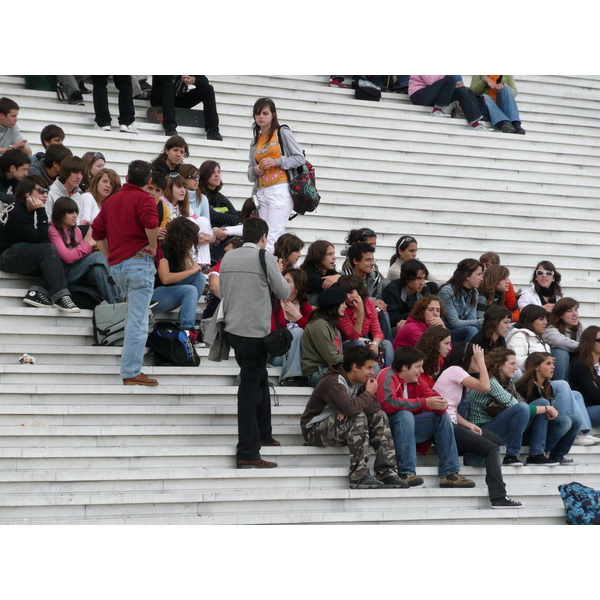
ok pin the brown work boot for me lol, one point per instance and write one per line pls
(411, 479)
(271, 442)
(456, 480)
(140, 379)
(259, 463)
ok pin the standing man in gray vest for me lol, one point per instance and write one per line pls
(247, 320)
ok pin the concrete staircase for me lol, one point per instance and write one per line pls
(78, 447)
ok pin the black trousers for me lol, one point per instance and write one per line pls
(163, 94)
(100, 97)
(486, 445)
(26, 258)
(254, 400)
(443, 93)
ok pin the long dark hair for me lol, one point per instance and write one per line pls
(493, 275)
(316, 254)
(528, 315)
(62, 207)
(559, 309)
(27, 185)
(181, 237)
(329, 314)
(495, 360)
(403, 243)
(429, 344)
(526, 386)
(464, 269)
(300, 282)
(286, 244)
(258, 107)
(175, 141)
(554, 289)
(179, 181)
(586, 346)
(207, 168)
(491, 319)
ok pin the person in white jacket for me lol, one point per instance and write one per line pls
(526, 335)
(545, 287)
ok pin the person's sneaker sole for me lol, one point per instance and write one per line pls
(67, 310)
(37, 304)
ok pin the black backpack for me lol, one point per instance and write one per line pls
(366, 90)
(172, 346)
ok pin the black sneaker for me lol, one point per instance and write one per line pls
(506, 503)
(171, 132)
(506, 127)
(66, 305)
(540, 460)
(37, 299)
(518, 128)
(213, 134)
(368, 482)
(76, 99)
(512, 461)
(393, 481)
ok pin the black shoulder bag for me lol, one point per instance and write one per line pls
(278, 342)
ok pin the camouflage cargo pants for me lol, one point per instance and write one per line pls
(356, 432)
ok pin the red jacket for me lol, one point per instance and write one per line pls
(305, 310)
(122, 222)
(370, 328)
(410, 334)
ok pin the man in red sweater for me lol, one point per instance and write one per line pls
(126, 231)
(418, 414)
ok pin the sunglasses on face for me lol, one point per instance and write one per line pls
(540, 272)
(42, 190)
(192, 177)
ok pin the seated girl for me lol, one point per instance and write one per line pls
(496, 324)
(81, 264)
(493, 288)
(319, 266)
(406, 248)
(402, 294)
(584, 372)
(179, 281)
(25, 248)
(288, 250)
(459, 297)
(176, 196)
(563, 334)
(487, 259)
(105, 183)
(173, 153)
(427, 312)
(504, 412)
(292, 313)
(526, 336)
(545, 287)
(192, 181)
(360, 322)
(498, 93)
(94, 162)
(452, 383)
(536, 383)
(321, 344)
(435, 344)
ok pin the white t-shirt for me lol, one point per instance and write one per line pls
(449, 386)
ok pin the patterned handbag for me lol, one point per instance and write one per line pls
(302, 187)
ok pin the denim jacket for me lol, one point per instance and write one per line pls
(460, 311)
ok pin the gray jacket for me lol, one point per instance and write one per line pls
(292, 156)
(58, 190)
(245, 291)
(555, 339)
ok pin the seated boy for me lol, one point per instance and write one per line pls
(156, 187)
(14, 165)
(50, 134)
(10, 136)
(343, 411)
(48, 166)
(67, 184)
(417, 414)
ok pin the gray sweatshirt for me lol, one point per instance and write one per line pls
(245, 292)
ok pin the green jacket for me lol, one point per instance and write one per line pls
(318, 347)
(479, 86)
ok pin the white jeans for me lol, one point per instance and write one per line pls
(275, 206)
(202, 257)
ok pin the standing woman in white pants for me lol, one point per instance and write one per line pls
(268, 165)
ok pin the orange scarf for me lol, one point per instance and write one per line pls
(493, 94)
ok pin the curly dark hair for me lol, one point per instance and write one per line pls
(418, 311)
(181, 237)
(429, 344)
(555, 289)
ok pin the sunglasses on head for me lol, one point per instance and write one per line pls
(98, 155)
(541, 272)
(174, 174)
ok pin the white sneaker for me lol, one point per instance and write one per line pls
(105, 128)
(481, 127)
(583, 440)
(438, 112)
(128, 129)
(595, 438)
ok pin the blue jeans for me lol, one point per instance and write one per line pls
(503, 109)
(594, 413)
(291, 366)
(512, 423)
(388, 351)
(409, 429)
(135, 278)
(93, 269)
(562, 358)
(317, 376)
(183, 294)
(569, 402)
(463, 334)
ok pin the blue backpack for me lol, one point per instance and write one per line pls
(582, 503)
(172, 347)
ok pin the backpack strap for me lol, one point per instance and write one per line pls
(263, 264)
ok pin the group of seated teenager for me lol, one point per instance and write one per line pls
(474, 366)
